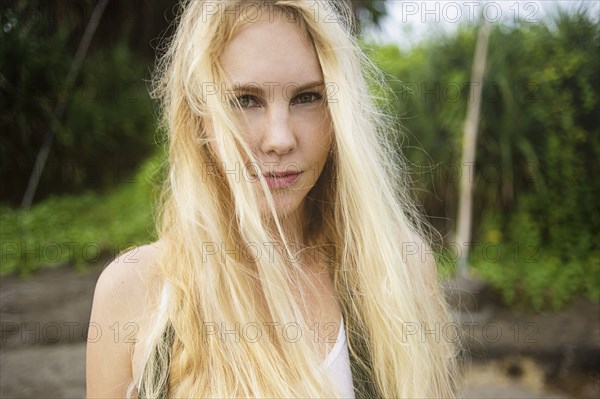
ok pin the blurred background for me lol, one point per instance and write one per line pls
(81, 156)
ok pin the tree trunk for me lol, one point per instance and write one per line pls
(463, 236)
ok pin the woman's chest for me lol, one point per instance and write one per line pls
(318, 303)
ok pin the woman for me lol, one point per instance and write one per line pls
(283, 267)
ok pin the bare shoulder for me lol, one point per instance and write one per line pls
(133, 262)
(124, 296)
(129, 279)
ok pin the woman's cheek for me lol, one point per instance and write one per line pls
(252, 125)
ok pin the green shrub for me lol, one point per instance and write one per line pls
(80, 228)
(108, 122)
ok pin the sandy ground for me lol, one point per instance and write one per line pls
(44, 318)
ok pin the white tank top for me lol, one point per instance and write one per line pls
(337, 364)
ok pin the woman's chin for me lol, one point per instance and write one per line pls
(284, 206)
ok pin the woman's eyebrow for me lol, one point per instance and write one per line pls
(256, 89)
(251, 88)
(306, 86)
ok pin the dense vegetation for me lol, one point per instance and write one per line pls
(108, 125)
(537, 214)
(537, 217)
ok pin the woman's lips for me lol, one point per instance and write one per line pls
(282, 181)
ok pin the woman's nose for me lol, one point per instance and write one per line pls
(278, 134)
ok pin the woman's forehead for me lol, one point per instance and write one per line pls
(270, 51)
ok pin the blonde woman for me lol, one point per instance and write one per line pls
(290, 261)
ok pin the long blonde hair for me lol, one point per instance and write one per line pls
(362, 222)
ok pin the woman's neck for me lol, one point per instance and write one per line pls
(295, 228)
(293, 225)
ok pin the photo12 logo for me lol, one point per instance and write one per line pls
(469, 11)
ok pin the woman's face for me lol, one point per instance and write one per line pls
(278, 82)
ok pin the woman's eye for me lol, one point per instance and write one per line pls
(306, 98)
(247, 101)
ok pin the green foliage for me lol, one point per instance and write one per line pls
(81, 228)
(108, 119)
(538, 152)
(32, 70)
(528, 278)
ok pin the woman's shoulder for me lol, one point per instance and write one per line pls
(129, 282)
(123, 300)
